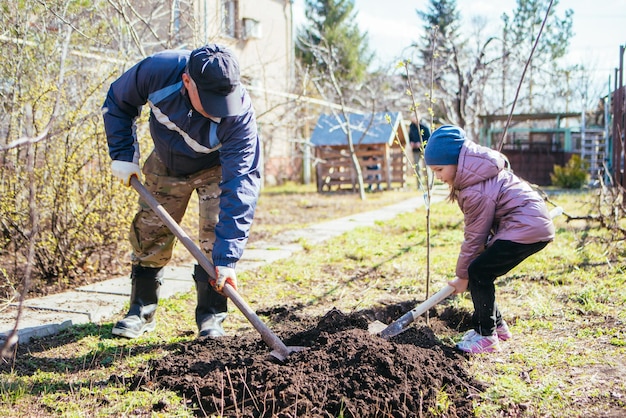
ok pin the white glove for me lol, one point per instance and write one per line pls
(224, 275)
(124, 170)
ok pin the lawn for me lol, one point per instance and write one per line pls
(565, 307)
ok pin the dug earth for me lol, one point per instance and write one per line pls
(343, 371)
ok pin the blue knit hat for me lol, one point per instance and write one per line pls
(444, 145)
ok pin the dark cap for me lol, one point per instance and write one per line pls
(215, 71)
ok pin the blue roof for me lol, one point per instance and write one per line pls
(331, 129)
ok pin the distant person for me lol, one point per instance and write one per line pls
(373, 169)
(205, 139)
(506, 221)
(418, 135)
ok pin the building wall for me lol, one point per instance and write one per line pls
(261, 34)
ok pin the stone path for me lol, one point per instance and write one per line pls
(103, 301)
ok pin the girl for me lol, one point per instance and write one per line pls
(505, 222)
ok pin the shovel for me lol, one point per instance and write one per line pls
(400, 325)
(279, 350)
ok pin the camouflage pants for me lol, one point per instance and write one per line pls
(152, 241)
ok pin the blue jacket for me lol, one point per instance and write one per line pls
(187, 142)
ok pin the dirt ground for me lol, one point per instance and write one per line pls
(343, 370)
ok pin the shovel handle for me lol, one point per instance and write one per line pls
(400, 324)
(172, 225)
(268, 336)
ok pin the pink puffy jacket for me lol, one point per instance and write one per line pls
(496, 204)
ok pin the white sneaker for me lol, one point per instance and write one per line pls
(502, 331)
(474, 343)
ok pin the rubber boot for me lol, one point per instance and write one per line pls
(212, 306)
(144, 298)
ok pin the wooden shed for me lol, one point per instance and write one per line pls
(378, 139)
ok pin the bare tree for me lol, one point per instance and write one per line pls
(60, 213)
(350, 96)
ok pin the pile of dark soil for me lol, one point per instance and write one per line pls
(344, 371)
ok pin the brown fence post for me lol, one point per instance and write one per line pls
(619, 114)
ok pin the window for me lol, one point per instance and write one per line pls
(251, 28)
(229, 18)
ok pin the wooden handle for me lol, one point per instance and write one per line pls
(435, 299)
(268, 336)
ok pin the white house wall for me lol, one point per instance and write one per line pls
(267, 65)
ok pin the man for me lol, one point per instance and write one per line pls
(418, 135)
(205, 139)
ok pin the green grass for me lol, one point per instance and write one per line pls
(565, 306)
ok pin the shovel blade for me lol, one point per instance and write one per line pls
(376, 327)
(396, 328)
(386, 331)
(400, 325)
(283, 356)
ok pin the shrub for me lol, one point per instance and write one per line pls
(62, 217)
(573, 176)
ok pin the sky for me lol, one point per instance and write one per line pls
(599, 27)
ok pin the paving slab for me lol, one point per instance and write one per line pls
(37, 323)
(318, 233)
(268, 256)
(96, 302)
(95, 306)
